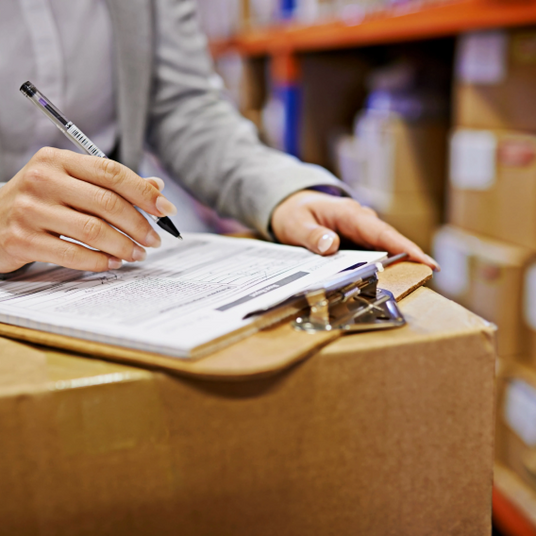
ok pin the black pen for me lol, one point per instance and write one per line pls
(80, 140)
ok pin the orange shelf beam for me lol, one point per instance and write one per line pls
(391, 26)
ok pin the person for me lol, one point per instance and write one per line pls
(134, 74)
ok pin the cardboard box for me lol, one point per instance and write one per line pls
(397, 168)
(394, 156)
(496, 80)
(377, 434)
(516, 422)
(492, 187)
(494, 280)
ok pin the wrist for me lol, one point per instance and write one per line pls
(329, 189)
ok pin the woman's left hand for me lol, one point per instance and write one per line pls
(317, 221)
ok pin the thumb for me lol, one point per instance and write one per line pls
(157, 182)
(317, 238)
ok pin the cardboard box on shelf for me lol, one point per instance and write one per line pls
(374, 434)
(492, 186)
(493, 279)
(396, 156)
(516, 422)
(397, 168)
(496, 79)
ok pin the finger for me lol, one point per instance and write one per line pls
(111, 207)
(304, 230)
(157, 182)
(378, 234)
(52, 249)
(394, 242)
(114, 176)
(92, 231)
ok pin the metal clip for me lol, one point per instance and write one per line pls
(353, 308)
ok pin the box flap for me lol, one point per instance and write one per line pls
(262, 354)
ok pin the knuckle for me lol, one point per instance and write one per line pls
(92, 229)
(13, 240)
(109, 201)
(22, 208)
(370, 212)
(35, 178)
(147, 190)
(46, 154)
(350, 203)
(112, 171)
(68, 256)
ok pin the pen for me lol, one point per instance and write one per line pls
(80, 140)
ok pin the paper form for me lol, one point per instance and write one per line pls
(183, 295)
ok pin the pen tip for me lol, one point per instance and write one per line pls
(166, 224)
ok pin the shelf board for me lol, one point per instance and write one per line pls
(395, 25)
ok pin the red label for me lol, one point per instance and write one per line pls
(516, 153)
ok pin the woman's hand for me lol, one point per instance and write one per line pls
(316, 220)
(81, 197)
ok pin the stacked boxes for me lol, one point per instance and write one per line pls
(490, 277)
(495, 80)
(489, 248)
(396, 159)
(493, 184)
(488, 252)
(516, 422)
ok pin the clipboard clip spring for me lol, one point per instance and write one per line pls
(355, 307)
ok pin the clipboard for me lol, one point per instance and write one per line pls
(259, 355)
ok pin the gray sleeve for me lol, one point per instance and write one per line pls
(201, 138)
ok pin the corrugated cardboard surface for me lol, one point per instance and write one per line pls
(487, 277)
(506, 210)
(385, 433)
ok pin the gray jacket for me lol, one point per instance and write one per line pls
(168, 98)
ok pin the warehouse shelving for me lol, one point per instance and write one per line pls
(514, 504)
(391, 26)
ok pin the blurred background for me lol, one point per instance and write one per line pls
(427, 110)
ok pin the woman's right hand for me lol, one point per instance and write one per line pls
(81, 197)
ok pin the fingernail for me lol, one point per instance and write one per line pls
(153, 240)
(165, 207)
(114, 264)
(325, 243)
(139, 254)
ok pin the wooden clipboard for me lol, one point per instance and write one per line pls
(259, 355)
